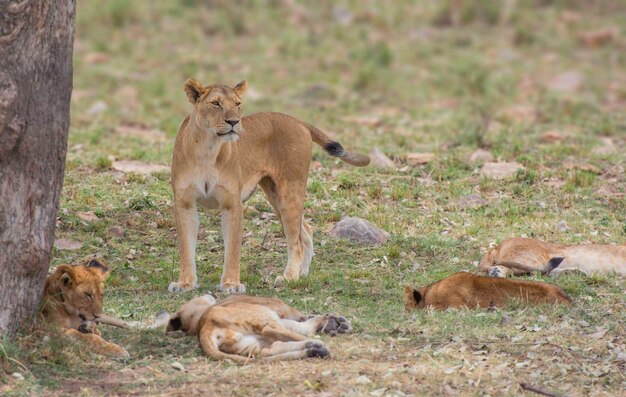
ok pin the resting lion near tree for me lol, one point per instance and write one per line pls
(219, 159)
(72, 302)
(245, 328)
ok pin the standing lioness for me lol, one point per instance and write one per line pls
(220, 158)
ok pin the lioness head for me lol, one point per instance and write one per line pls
(188, 317)
(82, 288)
(217, 108)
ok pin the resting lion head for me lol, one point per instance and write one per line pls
(80, 288)
(217, 108)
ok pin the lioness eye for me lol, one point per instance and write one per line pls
(238, 104)
(216, 104)
(88, 295)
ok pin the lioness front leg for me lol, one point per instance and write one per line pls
(232, 232)
(294, 350)
(187, 224)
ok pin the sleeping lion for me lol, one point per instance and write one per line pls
(517, 256)
(243, 328)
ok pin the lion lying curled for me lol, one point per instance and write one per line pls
(469, 290)
(526, 255)
(242, 327)
(72, 301)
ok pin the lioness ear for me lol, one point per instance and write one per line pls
(241, 88)
(194, 90)
(68, 274)
(100, 265)
(417, 297)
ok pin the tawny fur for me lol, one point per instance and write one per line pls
(243, 328)
(523, 255)
(472, 291)
(220, 158)
(72, 302)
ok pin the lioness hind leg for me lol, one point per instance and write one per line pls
(291, 206)
(306, 236)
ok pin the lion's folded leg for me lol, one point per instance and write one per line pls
(294, 350)
(98, 345)
(277, 332)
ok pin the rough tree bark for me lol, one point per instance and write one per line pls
(36, 43)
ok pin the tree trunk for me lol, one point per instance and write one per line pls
(36, 42)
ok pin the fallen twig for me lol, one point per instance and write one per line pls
(539, 390)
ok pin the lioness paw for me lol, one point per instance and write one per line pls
(334, 325)
(177, 286)
(316, 349)
(87, 327)
(232, 288)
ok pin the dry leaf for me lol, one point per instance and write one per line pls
(419, 158)
(138, 167)
(597, 38)
(87, 216)
(553, 136)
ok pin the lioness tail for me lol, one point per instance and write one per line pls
(335, 149)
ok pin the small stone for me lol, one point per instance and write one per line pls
(66, 244)
(87, 216)
(561, 226)
(565, 82)
(500, 170)
(359, 231)
(97, 108)
(378, 392)
(116, 231)
(481, 156)
(17, 376)
(608, 147)
(178, 366)
(471, 201)
(380, 160)
(363, 380)
(419, 158)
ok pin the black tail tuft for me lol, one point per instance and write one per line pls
(553, 263)
(334, 149)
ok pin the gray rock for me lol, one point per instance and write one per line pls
(359, 231)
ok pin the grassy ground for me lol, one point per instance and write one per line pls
(399, 76)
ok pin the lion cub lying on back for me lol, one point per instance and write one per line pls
(242, 327)
(72, 301)
(469, 290)
(525, 255)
